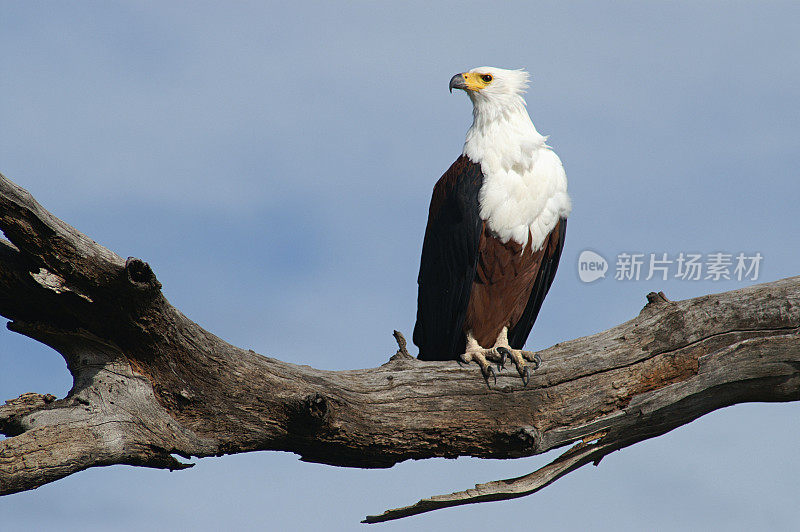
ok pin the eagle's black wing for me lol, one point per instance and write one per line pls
(544, 278)
(449, 258)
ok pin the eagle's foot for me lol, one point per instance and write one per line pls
(483, 357)
(519, 357)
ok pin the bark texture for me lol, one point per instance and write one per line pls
(149, 383)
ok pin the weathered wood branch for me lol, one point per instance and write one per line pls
(149, 383)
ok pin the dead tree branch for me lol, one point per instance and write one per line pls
(149, 383)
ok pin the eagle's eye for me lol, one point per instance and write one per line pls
(487, 78)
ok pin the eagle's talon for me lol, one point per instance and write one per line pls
(526, 376)
(490, 371)
(504, 353)
(533, 357)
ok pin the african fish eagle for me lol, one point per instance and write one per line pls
(495, 232)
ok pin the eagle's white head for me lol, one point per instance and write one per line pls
(502, 134)
(493, 91)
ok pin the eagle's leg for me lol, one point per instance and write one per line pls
(518, 356)
(482, 357)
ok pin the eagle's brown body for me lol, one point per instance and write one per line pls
(504, 283)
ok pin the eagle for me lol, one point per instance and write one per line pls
(495, 231)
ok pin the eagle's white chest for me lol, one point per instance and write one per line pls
(524, 189)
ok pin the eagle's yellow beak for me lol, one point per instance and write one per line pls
(469, 81)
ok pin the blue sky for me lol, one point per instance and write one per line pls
(274, 163)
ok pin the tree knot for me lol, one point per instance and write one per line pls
(528, 437)
(522, 441)
(316, 405)
(141, 275)
(307, 415)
